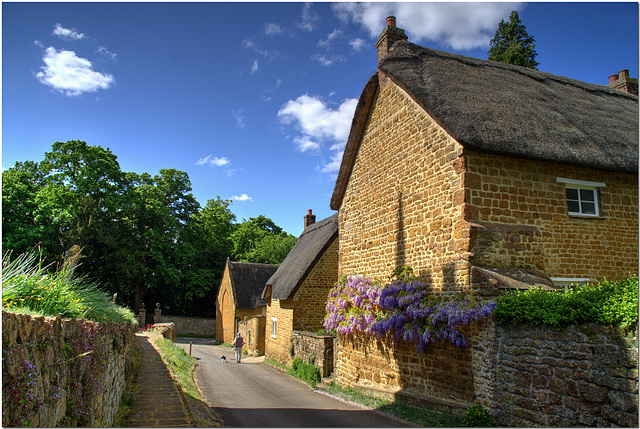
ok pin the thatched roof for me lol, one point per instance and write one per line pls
(309, 248)
(506, 109)
(247, 281)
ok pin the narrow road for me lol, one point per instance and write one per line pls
(254, 394)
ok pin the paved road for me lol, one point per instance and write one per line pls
(254, 394)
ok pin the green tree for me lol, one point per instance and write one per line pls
(512, 44)
(205, 246)
(260, 240)
(23, 223)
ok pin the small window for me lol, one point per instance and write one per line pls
(583, 198)
(274, 327)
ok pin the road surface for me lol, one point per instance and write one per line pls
(254, 394)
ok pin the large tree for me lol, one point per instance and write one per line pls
(260, 240)
(24, 224)
(512, 44)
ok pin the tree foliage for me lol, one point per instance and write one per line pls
(260, 240)
(143, 237)
(512, 44)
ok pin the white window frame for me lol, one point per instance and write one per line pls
(566, 281)
(583, 185)
(274, 327)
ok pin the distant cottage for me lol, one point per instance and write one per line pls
(239, 296)
(296, 294)
(481, 176)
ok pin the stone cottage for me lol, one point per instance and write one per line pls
(479, 175)
(297, 292)
(239, 296)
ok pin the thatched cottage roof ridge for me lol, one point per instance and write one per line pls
(309, 248)
(248, 280)
(517, 111)
(506, 109)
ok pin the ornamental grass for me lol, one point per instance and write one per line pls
(31, 288)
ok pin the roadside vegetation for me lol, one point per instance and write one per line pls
(28, 287)
(182, 366)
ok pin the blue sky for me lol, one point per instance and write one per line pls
(253, 100)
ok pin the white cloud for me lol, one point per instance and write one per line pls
(66, 33)
(316, 119)
(357, 44)
(327, 61)
(239, 117)
(308, 18)
(250, 43)
(243, 197)
(218, 162)
(319, 123)
(70, 74)
(326, 43)
(459, 26)
(254, 67)
(304, 143)
(102, 50)
(271, 28)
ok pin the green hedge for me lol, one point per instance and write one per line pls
(606, 303)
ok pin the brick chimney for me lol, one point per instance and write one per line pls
(309, 219)
(623, 82)
(390, 35)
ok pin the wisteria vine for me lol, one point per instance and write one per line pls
(402, 309)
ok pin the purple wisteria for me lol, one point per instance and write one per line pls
(402, 309)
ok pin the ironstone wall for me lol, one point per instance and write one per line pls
(62, 372)
(580, 376)
(320, 346)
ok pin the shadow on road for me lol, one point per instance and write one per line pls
(298, 417)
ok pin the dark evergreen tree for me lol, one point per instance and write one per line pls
(512, 44)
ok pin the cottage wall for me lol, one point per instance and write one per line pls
(253, 331)
(305, 311)
(401, 205)
(225, 310)
(277, 347)
(501, 192)
(310, 300)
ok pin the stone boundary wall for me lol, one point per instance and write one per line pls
(320, 346)
(190, 325)
(62, 372)
(580, 376)
(167, 330)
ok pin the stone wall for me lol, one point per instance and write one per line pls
(191, 325)
(62, 372)
(525, 226)
(304, 311)
(310, 300)
(580, 376)
(441, 376)
(225, 310)
(253, 332)
(402, 204)
(320, 346)
(277, 346)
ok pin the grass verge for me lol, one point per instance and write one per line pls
(182, 366)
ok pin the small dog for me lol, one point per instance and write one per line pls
(223, 359)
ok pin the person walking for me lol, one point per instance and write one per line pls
(238, 342)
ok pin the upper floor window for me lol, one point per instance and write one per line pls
(583, 197)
